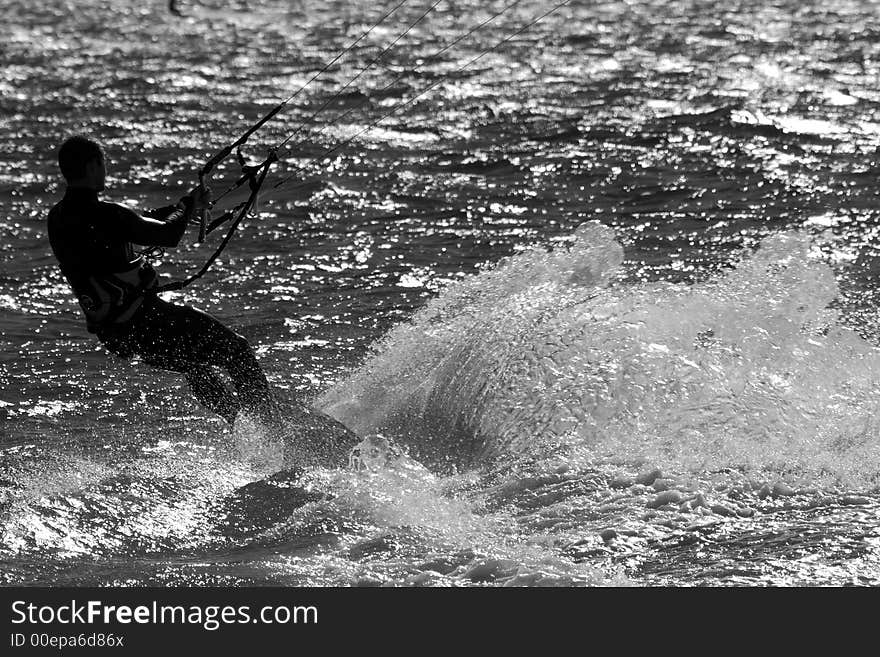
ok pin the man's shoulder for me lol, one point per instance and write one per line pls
(105, 216)
(63, 216)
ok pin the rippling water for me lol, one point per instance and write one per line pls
(608, 294)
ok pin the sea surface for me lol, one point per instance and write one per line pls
(602, 303)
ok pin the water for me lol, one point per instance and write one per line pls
(608, 296)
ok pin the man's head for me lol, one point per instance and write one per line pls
(82, 163)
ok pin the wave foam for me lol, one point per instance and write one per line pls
(750, 369)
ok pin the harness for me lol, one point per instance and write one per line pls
(114, 297)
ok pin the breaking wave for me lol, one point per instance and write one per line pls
(552, 349)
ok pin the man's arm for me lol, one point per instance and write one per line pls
(166, 229)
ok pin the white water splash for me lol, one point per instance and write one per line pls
(749, 370)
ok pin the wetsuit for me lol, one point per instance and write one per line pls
(92, 241)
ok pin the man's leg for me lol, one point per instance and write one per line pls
(211, 391)
(204, 382)
(187, 340)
